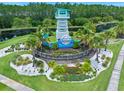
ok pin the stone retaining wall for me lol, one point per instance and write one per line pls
(80, 55)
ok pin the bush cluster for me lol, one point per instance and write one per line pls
(103, 57)
(54, 46)
(16, 47)
(76, 45)
(105, 63)
(38, 63)
(72, 70)
(61, 52)
(41, 70)
(77, 73)
(74, 77)
(22, 61)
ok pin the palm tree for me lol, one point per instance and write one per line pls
(33, 43)
(78, 34)
(40, 35)
(119, 29)
(97, 42)
(46, 24)
(86, 36)
(90, 26)
(108, 35)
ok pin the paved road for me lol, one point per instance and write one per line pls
(13, 84)
(114, 80)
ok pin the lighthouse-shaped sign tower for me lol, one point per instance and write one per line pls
(62, 33)
(62, 15)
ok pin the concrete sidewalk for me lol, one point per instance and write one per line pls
(114, 80)
(13, 84)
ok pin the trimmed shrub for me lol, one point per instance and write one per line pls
(59, 70)
(13, 61)
(9, 50)
(22, 61)
(61, 52)
(85, 68)
(65, 65)
(20, 58)
(87, 60)
(52, 75)
(41, 70)
(104, 64)
(17, 46)
(39, 63)
(52, 64)
(72, 70)
(71, 33)
(76, 45)
(103, 57)
(12, 46)
(74, 77)
(108, 58)
(94, 73)
(27, 58)
(54, 46)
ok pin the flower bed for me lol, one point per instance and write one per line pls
(80, 71)
(65, 73)
(64, 52)
(19, 46)
(22, 61)
(75, 77)
(24, 65)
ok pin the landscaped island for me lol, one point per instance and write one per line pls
(62, 59)
(29, 81)
(66, 59)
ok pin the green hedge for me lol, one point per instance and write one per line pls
(76, 44)
(74, 77)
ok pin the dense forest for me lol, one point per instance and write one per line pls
(37, 12)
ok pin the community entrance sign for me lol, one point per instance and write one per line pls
(62, 33)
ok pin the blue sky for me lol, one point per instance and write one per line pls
(89, 3)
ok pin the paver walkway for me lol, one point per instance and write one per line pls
(114, 80)
(13, 84)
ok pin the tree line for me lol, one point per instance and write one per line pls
(80, 13)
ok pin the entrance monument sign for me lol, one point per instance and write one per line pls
(62, 33)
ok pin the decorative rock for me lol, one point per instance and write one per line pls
(22, 46)
(28, 70)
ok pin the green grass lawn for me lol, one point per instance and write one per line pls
(4, 88)
(13, 41)
(121, 81)
(42, 83)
